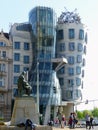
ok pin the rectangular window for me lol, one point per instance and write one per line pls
(15, 79)
(16, 45)
(71, 60)
(60, 34)
(26, 46)
(78, 81)
(71, 71)
(62, 70)
(70, 83)
(69, 94)
(2, 67)
(4, 54)
(16, 57)
(62, 47)
(81, 34)
(16, 68)
(1, 82)
(15, 92)
(71, 33)
(71, 46)
(78, 70)
(26, 59)
(80, 47)
(79, 58)
(61, 80)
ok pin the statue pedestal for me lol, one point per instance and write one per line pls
(24, 108)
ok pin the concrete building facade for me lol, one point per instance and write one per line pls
(71, 44)
(20, 34)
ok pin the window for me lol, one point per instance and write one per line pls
(2, 67)
(61, 80)
(16, 45)
(26, 46)
(86, 39)
(3, 53)
(26, 59)
(78, 81)
(71, 33)
(1, 96)
(62, 47)
(71, 59)
(62, 70)
(82, 73)
(15, 80)
(16, 57)
(69, 94)
(78, 70)
(60, 34)
(83, 62)
(16, 68)
(15, 92)
(81, 34)
(2, 44)
(80, 47)
(79, 58)
(71, 46)
(70, 82)
(1, 82)
(85, 49)
(71, 71)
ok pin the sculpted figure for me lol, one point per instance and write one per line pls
(23, 86)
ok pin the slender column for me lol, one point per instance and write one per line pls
(38, 86)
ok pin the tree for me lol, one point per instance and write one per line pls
(79, 114)
(95, 112)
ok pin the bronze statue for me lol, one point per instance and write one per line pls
(23, 86)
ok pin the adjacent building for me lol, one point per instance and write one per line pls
(20, 35)
(6, 72)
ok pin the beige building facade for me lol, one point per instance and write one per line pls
(5, 76)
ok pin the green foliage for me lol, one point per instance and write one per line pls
(95, 112)
(82, 114)
(86, 112)
(79, 115)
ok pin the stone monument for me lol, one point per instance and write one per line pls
(24, 106)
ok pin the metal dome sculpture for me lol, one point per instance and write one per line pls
(69, 17)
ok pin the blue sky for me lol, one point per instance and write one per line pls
(16, 11)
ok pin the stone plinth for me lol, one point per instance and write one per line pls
(24, 108)
(23, 128)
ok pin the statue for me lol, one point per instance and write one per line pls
(23, 85)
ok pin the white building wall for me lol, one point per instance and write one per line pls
(65, 27)
(21, 36)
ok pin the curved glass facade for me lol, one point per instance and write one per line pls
(43, 21)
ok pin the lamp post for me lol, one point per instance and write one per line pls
(37, 87)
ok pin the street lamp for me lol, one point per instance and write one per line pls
(37, 87)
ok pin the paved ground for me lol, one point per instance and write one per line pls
(66, 128)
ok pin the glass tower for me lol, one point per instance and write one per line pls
(43, 21)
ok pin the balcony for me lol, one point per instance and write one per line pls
(5, 59)
(3, 89)
(2, 73)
